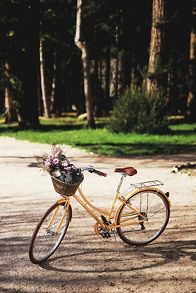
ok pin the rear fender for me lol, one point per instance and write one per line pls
(136, 191)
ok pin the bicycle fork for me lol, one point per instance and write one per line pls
(58, 227)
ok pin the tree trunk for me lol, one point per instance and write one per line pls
(97, 86)
(192, 86)
(106, 89)
(121, 72)
(29, 69)
(43, 84)
(176, 57)
(182, 54)
(107, 74)
(116, 80)
(10, 112)
(81, 44)
(53, 86)
(156, 76)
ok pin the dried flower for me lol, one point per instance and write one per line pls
(57, 164)
(56, 159)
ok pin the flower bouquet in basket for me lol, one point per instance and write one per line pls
(65, 176)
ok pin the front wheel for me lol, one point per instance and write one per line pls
(143, 217)
(50, 232)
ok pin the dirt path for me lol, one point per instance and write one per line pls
(86, 263)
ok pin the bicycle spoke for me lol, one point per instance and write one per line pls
(151, 220)
(49, 233)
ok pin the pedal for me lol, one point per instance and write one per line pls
(105, 234)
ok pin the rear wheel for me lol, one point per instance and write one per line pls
(50, 232)
(143, 217)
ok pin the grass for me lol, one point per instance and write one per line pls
(70, 131)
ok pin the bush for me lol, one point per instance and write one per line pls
(140, 112)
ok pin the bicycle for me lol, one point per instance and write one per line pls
(140, 218)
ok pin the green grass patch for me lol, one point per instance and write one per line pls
(70, 131)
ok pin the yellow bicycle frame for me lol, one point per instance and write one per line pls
(110, 214)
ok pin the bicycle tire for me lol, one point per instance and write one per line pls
(45, 240)
(154, 213)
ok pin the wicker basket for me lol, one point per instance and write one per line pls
(65, 189)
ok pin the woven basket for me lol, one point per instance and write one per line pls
(65, 189)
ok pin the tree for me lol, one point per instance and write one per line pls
(192, 85)
(169, 54)
(81, 44)
(53, 86)
(10, 112)
(114, 40)
(180, 48)
(29, 66)
(19, 34)
(43, 84)
(157, 75)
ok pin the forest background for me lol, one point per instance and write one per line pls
(119, 66)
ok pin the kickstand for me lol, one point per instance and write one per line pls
(117, 249)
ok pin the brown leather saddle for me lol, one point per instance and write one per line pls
(130, 171)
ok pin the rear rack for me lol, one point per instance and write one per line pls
(146, 184)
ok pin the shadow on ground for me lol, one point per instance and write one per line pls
(86, 263)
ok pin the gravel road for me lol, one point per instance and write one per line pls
(84, 262)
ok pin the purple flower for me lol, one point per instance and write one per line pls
(47, 163)
(55, 159)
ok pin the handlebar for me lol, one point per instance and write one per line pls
(91, 169)
(100, 173)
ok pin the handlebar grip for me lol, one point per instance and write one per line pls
(100, 173)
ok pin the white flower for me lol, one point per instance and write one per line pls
(55, 161)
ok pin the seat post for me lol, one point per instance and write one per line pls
(120, 183)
